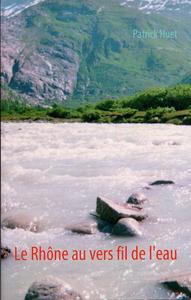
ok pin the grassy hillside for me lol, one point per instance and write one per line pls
(16, 107)
(112, 61)
(159, 105)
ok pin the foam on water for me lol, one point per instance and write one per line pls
(56, 171)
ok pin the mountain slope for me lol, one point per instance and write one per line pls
(187, 79)
(86, 50)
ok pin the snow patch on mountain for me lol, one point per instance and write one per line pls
(17, 7)
(10, 8)
(158, 5)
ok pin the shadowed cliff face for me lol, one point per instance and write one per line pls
(38, 71)
(86, 50)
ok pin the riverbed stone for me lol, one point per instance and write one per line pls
(162, 182)
(137, 199)
(112, 212)
(22, 221)
(5, 252)
(127, 227)
(102, 225)
(182, 296)
(51, 288)
(179, 284)
(83, 228)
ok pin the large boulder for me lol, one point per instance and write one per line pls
(162, 182)
(5, 252)
(112, 212)
(179, 284)
(83, 228)
(23, 221)
(127, 227)
(51, 288)
(137, 199)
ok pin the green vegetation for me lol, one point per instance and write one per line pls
(14, 110)
(15, 107)
(100, 33)
(159, 105)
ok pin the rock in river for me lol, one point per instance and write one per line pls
(162, 182)
(127, 227)
(137, 198)
(5, 251)
(83, 228)
(23, 221)
(51, 288)
(182, 297)
(179, 284)
(112, 212)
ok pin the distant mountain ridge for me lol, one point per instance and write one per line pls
(159, 5)
(85, 51)
(12, 7)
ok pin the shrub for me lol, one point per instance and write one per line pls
(178, 97)
(106, 104)
(153, 114)
(175, 121)
(187, 121)
(91, 116)
(59, 111)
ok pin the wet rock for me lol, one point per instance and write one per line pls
(102, 225)
(5, 252)
(147, 188)
(133, 206)
(51, 288)
(83, 228)
(162, 182)
(112, 212)
(107, 229)
(182, 297)
(23, 221)
(137, 198)
(127, 227)
(171, 143)
(179, 284)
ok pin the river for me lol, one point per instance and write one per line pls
(56, 171)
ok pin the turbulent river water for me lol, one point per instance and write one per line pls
(56, 171)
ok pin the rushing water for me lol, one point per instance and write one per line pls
(56, 171)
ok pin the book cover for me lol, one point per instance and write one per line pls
(95, 149)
